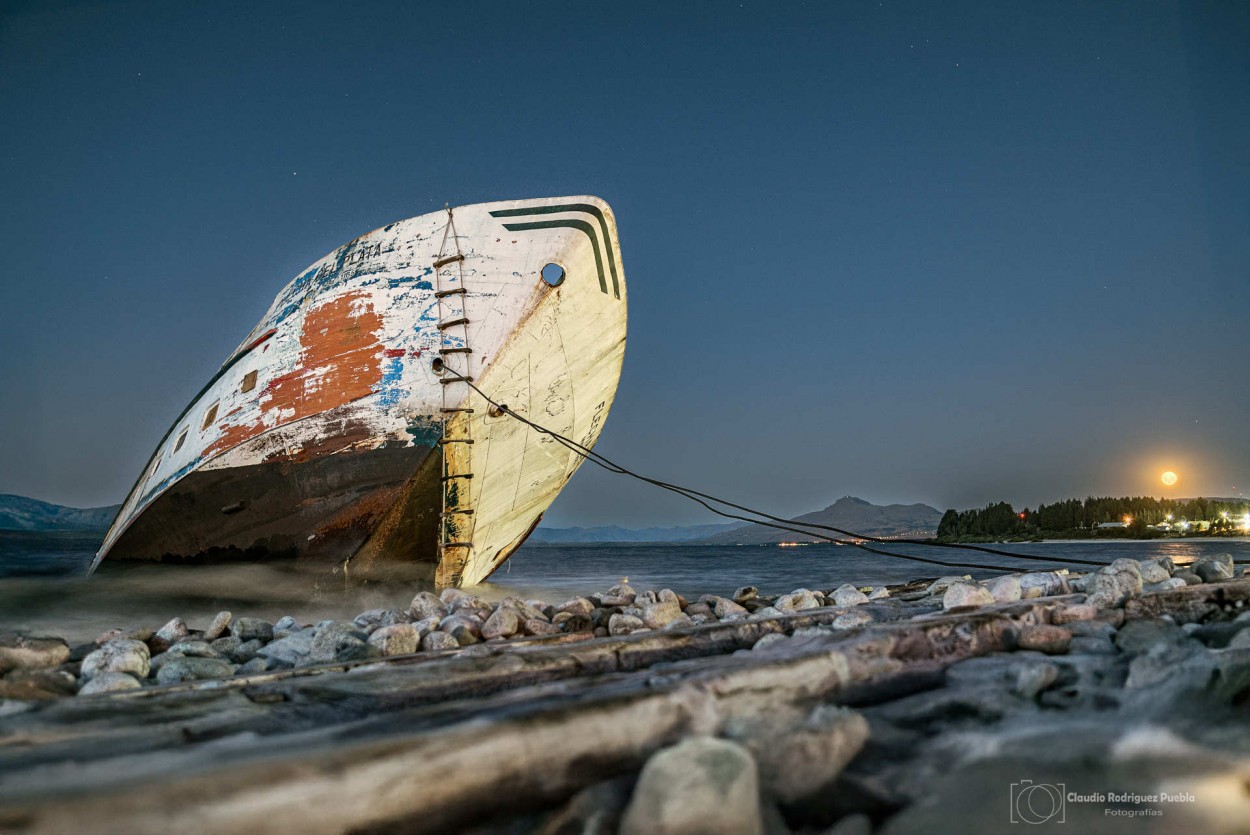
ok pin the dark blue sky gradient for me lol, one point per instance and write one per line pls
(948, 252)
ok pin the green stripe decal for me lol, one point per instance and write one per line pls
(572, 207)
(570, 224)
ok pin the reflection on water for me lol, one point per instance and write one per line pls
(121, 595)
(149, 595)
(44, 589)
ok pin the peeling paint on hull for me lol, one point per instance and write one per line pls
(320, 436)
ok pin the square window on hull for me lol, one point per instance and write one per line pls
(249, 381)
(210, 416)
(182, 439)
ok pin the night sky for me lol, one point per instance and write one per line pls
(939, 252)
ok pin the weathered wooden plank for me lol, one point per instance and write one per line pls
(1192, 604)
(393, 683)
(418, 742)
(531, 745)
(207, 710)
(695, 673)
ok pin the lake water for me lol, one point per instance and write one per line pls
(43, 588)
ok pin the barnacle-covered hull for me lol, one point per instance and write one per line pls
(345, 427)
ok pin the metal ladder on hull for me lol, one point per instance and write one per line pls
(456, 518)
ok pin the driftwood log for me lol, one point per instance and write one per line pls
(430, 744)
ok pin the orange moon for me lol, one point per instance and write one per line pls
(1169, 478)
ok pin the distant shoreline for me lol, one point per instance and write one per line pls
(1112, 539)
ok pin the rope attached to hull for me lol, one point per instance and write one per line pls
(758, 517)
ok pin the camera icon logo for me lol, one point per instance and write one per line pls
(1037, 802)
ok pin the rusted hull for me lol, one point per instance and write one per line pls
(344, 426)
(323, 507)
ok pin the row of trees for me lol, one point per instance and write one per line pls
(1077, 516)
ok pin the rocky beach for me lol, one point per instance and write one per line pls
(633, 419)
(911, 707)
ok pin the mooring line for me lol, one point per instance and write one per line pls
(770, 521)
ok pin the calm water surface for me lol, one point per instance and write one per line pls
(42, 587)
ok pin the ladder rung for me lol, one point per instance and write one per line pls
(457, 379)
(457, 475)
(455, 440)
(456, 409)
(450, 259)
(468, 511)
(457, 544)
(442, 326)
(455, 350)
(442, 294)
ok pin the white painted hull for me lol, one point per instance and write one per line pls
(337, 391)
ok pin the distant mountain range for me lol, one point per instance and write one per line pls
(849, 513)
(18, 513)
(615, 533)
(23, 514)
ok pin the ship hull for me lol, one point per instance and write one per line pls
(345, 427)
(323, 508)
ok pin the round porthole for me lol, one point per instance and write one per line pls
(437, 365)
(553, 274)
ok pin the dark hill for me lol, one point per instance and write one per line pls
(849, 513)
(18, 513)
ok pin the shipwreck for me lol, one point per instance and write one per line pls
(351, 426)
